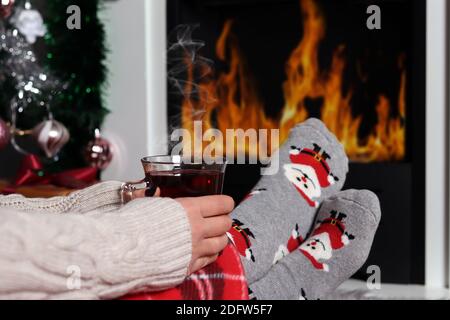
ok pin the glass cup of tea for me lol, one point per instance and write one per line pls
(175, 177)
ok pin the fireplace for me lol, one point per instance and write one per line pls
(277, 63)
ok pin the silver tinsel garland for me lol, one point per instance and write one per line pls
(19, 65)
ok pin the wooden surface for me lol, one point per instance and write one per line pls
(34, 191)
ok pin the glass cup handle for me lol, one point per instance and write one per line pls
(128, 189)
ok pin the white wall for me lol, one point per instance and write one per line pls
(136, 94)
(436, 156)
(448, 145)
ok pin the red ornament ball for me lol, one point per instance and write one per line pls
(98, 152)
(5, 135)
(6, 8)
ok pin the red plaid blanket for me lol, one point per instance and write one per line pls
(221, 280)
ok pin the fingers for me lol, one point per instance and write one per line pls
(209, 252)
(217, 226)
(211, 206)
(212, 246)
(142, 193)
(209, 221)
(202, 262)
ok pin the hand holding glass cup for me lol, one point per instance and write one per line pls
(176, 177)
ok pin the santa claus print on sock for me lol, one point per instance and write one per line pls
(240, 237)
(329, 235)
(309, 172)
(254, 193)
(302, 295)
(295, 240)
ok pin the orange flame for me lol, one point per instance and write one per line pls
(236, 103)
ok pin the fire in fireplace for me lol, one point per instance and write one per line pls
(234, 101)
(279, 62)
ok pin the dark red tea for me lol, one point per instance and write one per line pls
(187, 182)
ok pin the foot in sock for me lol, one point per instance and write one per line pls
(279, 213)
(337, 247)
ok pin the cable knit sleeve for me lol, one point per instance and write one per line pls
(101, 197)
(144, 246)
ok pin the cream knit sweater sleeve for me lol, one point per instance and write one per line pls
(101, 197)
(101, 254)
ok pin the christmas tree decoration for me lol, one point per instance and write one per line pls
(31, 87)
(5, 136)
(98, 152)
(25, 83)
(77, 58)
(32, 90)
(31, 171)
(30, 23)
(51, 137)
(6, 8)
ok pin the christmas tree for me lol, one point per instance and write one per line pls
(77, 58)
(69, 76)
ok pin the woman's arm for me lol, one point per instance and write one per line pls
(102, 197)
(144, 245)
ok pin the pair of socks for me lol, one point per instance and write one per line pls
(298, 235)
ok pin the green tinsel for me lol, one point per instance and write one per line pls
(77, 58)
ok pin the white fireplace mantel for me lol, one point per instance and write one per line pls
(137, 99)
(136, 93)
(436, 250)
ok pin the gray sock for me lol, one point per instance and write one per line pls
(337, 247)
(277, 215)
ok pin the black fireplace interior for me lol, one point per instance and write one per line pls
(267, 32)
